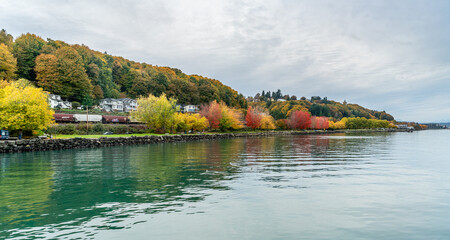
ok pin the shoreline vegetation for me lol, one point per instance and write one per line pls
(94, 141)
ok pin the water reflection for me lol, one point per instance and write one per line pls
(81, 191)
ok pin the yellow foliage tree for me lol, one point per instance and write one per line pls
(8, 64)
(341, 124)
(197, 122)
(267, 122)
(186, 122)
(231, 118)
(157, 112)
(24, 107)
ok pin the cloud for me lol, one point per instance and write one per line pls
(385, 55)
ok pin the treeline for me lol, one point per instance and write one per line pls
(316, 105)
(159, 114)
(81, 74)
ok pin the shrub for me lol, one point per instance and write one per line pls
(98, 128)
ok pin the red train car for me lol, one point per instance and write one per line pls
(60, 117)
(115, 119)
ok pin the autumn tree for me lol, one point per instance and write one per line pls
(64, 74)
(98, 92)
(253, 118)
(25, 49)
(157, 113)
(282, 124)
(299, 120)
(24, 107)
(230, 118)
(221, 116)
(8, 63)
(213, 113)
(194, 122)
(48, 74)
(267, 122)
(6, 38)
(319, 122)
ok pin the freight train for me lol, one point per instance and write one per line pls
(92, 118)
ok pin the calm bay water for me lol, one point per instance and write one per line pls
(374, 186)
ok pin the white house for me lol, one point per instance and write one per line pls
(187, 108)
(129, 104)
(111, 104)
(118, 105)
(56, 102)
(190, 108)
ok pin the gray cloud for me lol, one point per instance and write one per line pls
(385, 55)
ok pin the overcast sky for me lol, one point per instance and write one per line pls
(384, 55)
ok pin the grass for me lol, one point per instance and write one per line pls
(61, 136)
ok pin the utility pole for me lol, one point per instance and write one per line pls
(87, 119)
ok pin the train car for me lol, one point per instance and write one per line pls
(63, 118)
(92, 118)
(133, 120)
(115, 119)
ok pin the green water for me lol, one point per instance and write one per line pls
(374, 186)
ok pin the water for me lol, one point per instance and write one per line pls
(373, 186)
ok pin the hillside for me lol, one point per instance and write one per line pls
(81, 74)
(321, 107)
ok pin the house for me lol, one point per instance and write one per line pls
(129, 104)
(187, 108)
(191, 108)
(56, 102)
(111, 105)
(118, 105)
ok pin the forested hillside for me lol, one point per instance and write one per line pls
(317, 106)
(81, 74)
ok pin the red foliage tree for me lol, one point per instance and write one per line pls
(213, 113)
(253, 118)
(299, 120)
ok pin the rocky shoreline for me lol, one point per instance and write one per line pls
(31, 145)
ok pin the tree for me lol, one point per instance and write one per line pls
(157, 112)
(6, 38)
(267, 122)
(25, 49)
(64, 74)
(230, 118)
(98, 92)
(195, 122)
(299, 120)
(213, 113)
(221, 116)
(198, 123)
(8, 63)
(24, 107)
(72, 74)
(282, 124)
(320, 123)
(253, 118)
(47, 73)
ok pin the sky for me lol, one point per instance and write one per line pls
(383, 55)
